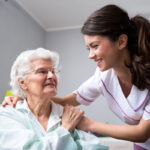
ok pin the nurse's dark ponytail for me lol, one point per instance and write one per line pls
(140, 66)
(112, 21)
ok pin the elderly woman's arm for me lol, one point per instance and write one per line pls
(19, 133)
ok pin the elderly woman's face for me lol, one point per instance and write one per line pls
(42, 79)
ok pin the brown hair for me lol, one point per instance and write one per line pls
(112, 21)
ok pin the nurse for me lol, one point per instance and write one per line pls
(120, 46)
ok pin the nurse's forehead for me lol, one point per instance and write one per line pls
(92, 39)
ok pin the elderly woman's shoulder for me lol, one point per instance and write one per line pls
(6, 109)
(11, 112)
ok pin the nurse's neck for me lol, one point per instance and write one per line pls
(123, 74)
(121, 70)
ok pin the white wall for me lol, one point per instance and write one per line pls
(18, 32)
(76, 68)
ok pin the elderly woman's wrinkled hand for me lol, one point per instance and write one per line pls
(71, 117)
(10, 100)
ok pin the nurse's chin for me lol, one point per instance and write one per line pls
(102, 69)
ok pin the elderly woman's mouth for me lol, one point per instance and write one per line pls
(50, 84)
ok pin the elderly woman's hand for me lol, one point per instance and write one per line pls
(71, 117)
(10, 100)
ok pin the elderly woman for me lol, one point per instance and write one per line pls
(37, 123)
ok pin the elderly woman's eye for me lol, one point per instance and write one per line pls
(56, 71)
(42, 71)
(53, 72)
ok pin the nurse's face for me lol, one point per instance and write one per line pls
(103, 51)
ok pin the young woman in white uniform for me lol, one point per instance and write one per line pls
(121, 48)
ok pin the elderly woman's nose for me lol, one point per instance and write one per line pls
(50, 74)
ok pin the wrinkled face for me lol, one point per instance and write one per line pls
(41, 80)
(102, 51)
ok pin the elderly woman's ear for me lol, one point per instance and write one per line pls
(22, 83)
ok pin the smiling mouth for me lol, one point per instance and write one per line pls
(99, 61)
(50, 85)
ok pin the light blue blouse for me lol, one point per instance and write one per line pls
(20, 130)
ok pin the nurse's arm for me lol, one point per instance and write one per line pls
(134, 133)
(69, 99)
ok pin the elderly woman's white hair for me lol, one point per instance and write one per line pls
(21, 67)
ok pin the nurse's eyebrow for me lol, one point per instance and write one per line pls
(90, 44)
(93, 43)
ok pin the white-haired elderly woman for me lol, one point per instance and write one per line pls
(37, 123)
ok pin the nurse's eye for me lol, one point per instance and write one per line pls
(94, 46)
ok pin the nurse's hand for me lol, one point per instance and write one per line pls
(71, 117)
(10, 100)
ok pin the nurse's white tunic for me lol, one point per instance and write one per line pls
(130, 109)
(20, 130)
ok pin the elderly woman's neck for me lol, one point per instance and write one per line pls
(40, 107)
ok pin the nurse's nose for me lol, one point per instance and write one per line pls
(91, 54)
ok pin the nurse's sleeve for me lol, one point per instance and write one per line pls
(15, 136)
(146, 114)
(89, 90)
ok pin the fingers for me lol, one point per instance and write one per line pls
(77, 114)
(15, 100)
(9, 100)
(71, 117)
(74, 113)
